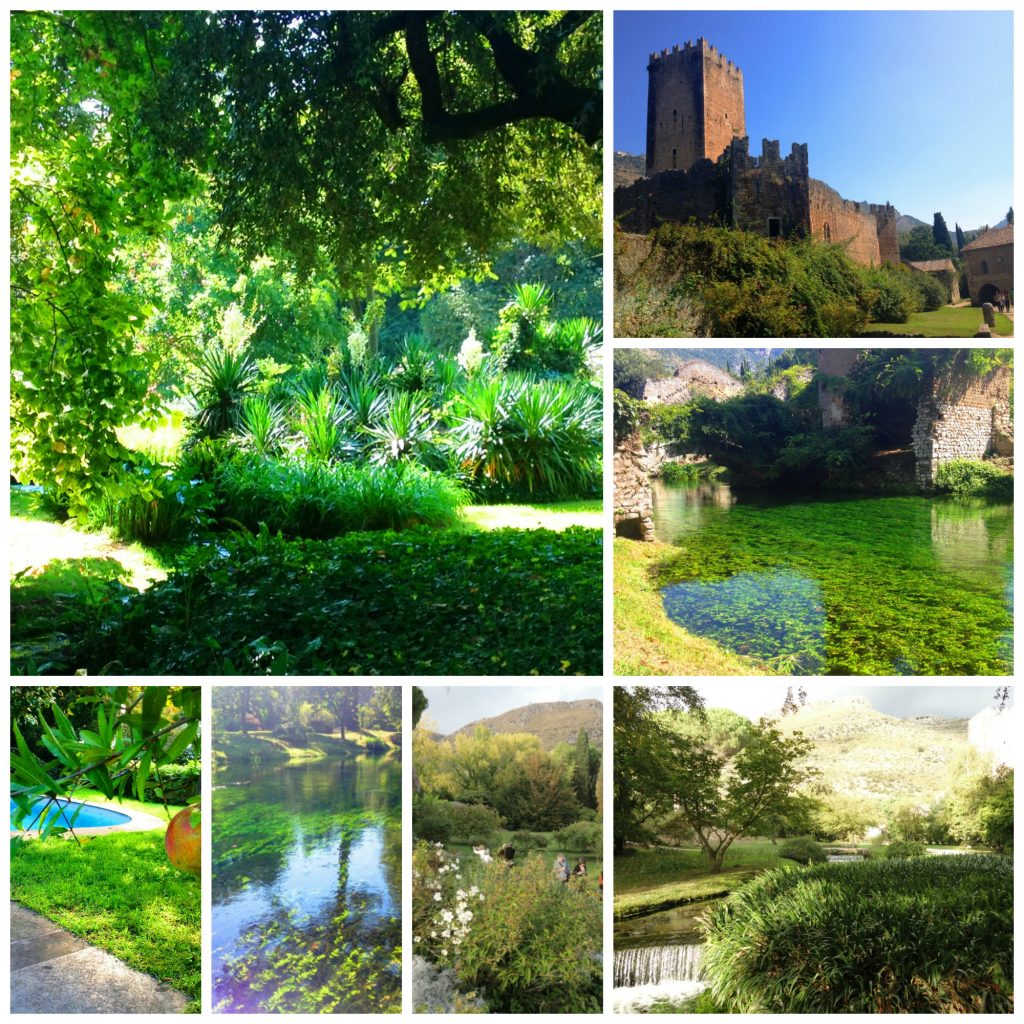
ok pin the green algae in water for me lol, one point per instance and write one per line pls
(842, 586)
(306, 888)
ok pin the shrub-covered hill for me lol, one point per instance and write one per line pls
(862, 751)
(552, 723)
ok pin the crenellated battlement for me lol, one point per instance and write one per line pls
(694, 52)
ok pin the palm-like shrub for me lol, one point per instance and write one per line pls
(261, 425)
(521, 326)
(318, 418)
(567, 345)
(525, 435)
(225, 378)
(363, 397)
(919, 935)
(405, 429)
(414, 369)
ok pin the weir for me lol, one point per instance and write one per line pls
(654, 964)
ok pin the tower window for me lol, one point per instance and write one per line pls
(828, 233)
(984, 263)
(673, 159)
(674, 115)
(774, 227)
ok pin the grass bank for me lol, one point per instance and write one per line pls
(653, 879)
(947, 322)
(647, 642)
(119, 893)
(263, 747)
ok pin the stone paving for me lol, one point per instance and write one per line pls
(53, 971)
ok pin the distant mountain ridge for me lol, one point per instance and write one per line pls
(862, 751)
(552, 723)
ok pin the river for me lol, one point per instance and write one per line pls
(307, 887)
(846, 585)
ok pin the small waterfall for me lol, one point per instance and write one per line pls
(835, 858)
(654, 964)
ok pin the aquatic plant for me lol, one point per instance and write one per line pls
(880, 585)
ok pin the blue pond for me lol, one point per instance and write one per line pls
(73, 815)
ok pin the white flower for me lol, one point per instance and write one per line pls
(437, 897)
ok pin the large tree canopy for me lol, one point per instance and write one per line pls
(402, 146)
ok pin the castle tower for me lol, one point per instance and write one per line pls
(694, 106)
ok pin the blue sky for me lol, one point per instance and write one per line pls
(885, 100)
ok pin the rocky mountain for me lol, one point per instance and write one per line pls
(628, 167)
(905, 224)
(860, 750)
(553, 723)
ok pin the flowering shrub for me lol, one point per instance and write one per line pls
(443, 904)
(524, 942)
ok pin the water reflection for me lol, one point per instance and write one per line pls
(306, 887)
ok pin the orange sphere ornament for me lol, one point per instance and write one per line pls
(182, 841)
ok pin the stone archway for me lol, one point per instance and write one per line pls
(987, 293)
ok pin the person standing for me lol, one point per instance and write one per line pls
(561, 870)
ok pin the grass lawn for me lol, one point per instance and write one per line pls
(948, 322)
(117, 892)
(655, 879)
(241, 748)
(554, 516)
(647, 642)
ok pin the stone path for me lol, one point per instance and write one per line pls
(53, 971)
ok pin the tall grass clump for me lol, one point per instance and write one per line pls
(317, 501)
(920, 935)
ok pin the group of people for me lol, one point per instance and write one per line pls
(1002, 302)
(561, 871)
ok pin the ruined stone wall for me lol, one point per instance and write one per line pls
(634, 505)
(673, 196)
(694, 106)
(961, 416)
(866, 230)
(694, 377)
(768, 187)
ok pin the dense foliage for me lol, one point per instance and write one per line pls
(507, 602)
(718, 282)
(135, 733)
(968, 479)
(871, 937)
(523, 941)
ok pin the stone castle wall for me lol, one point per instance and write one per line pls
(769, 188)
(997, 275)
(868, 231)
(834, 362)
(962, 416)
(698, 167)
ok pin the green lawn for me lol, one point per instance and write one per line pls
(647, 642)
(948, 322)
(556, 515)
(239, 748)
(655, 879)
(117, 892)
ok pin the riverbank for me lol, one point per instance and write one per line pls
(647, 642)
(263, 747)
